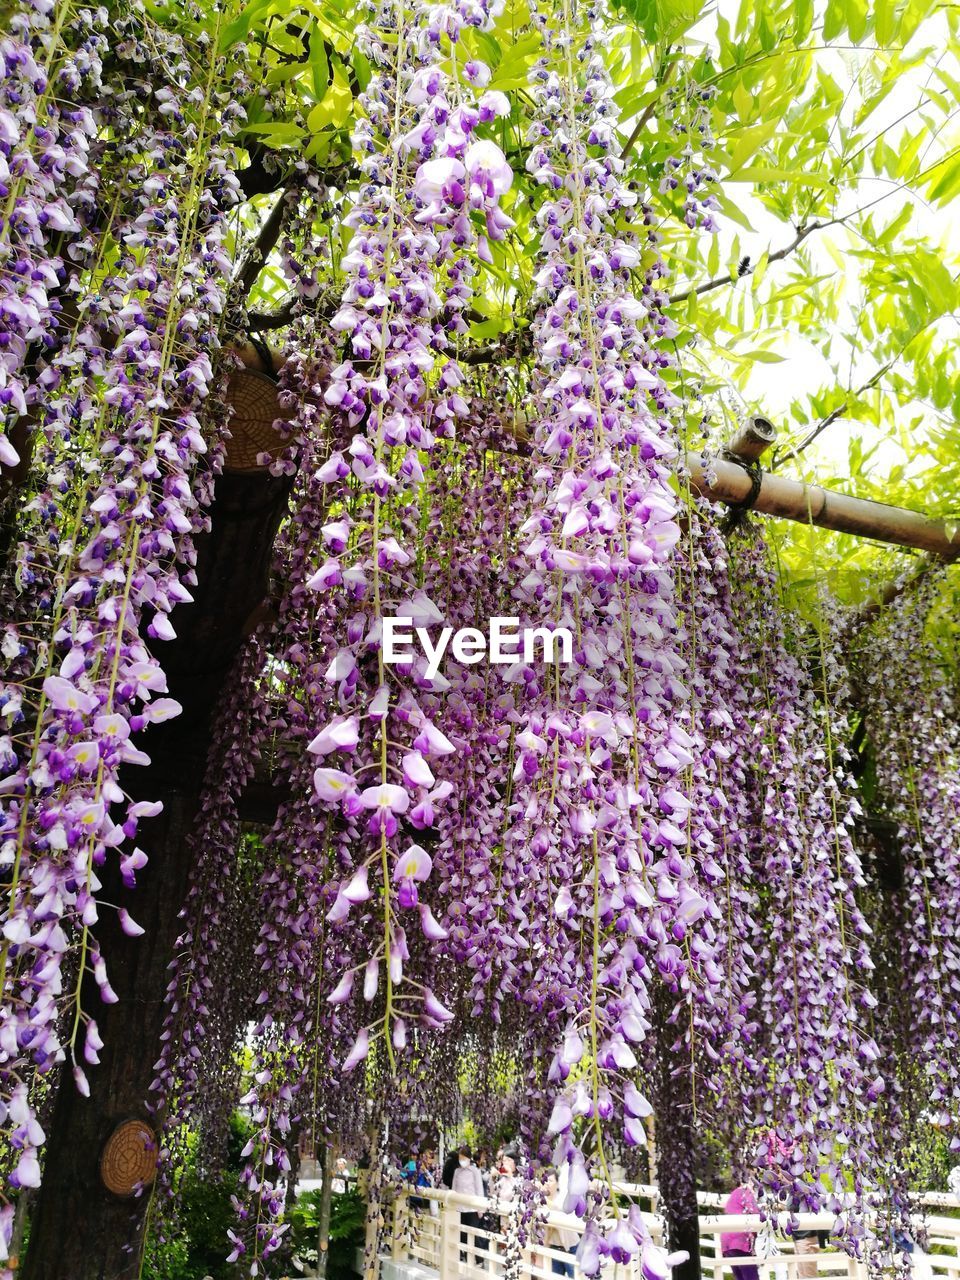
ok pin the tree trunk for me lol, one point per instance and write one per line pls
(20, 1219)
(676, 1158)
(79, 1230)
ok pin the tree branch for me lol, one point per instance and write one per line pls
(833, 416)
(511, 347)
(638, 128)
(719, 281)
(661, 78)
(254, 260)
(263, 321)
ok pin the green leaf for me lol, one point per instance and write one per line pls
(760, 270)
(279, 133)
(835, 19)
(285, 73)
(239, 28)
(803, 19)
(857, 15)
(732, 210)
(361, 68)
(334, 110)
(487, 329)
(743, 100)
(908, 155)
(947, 183)
(319, 146)
(713, 256)
(662, 21)
(751, 140)
(762, 357)
(511, 72)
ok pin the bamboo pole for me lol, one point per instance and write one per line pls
(726, 481)
(757, 435)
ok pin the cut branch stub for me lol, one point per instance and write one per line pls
(129, 1159)
(254, 441)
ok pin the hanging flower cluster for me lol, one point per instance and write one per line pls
(431, 195)
(298, 1027)
(811, 960)
(208, 988)
(911, 723)
(687, 172)
(48, 188)
(118, 428)
(603, 757)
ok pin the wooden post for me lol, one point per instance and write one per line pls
(377, 1134)
(371, 1246)
(396, 1239)
(449, 1242)
(326, 1194)
(650, 1125)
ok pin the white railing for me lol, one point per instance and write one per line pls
(436, 1243)
(439, 1241)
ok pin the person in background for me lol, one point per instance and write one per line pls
(776, 1153)
(468, 1182)
(425, 1176)
(341, 1171)
(740, 1244)
(488, 1220)
(449, 1168)
(503, 1189)
(806, 1243)
(504, 1182)
(565, 1238)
